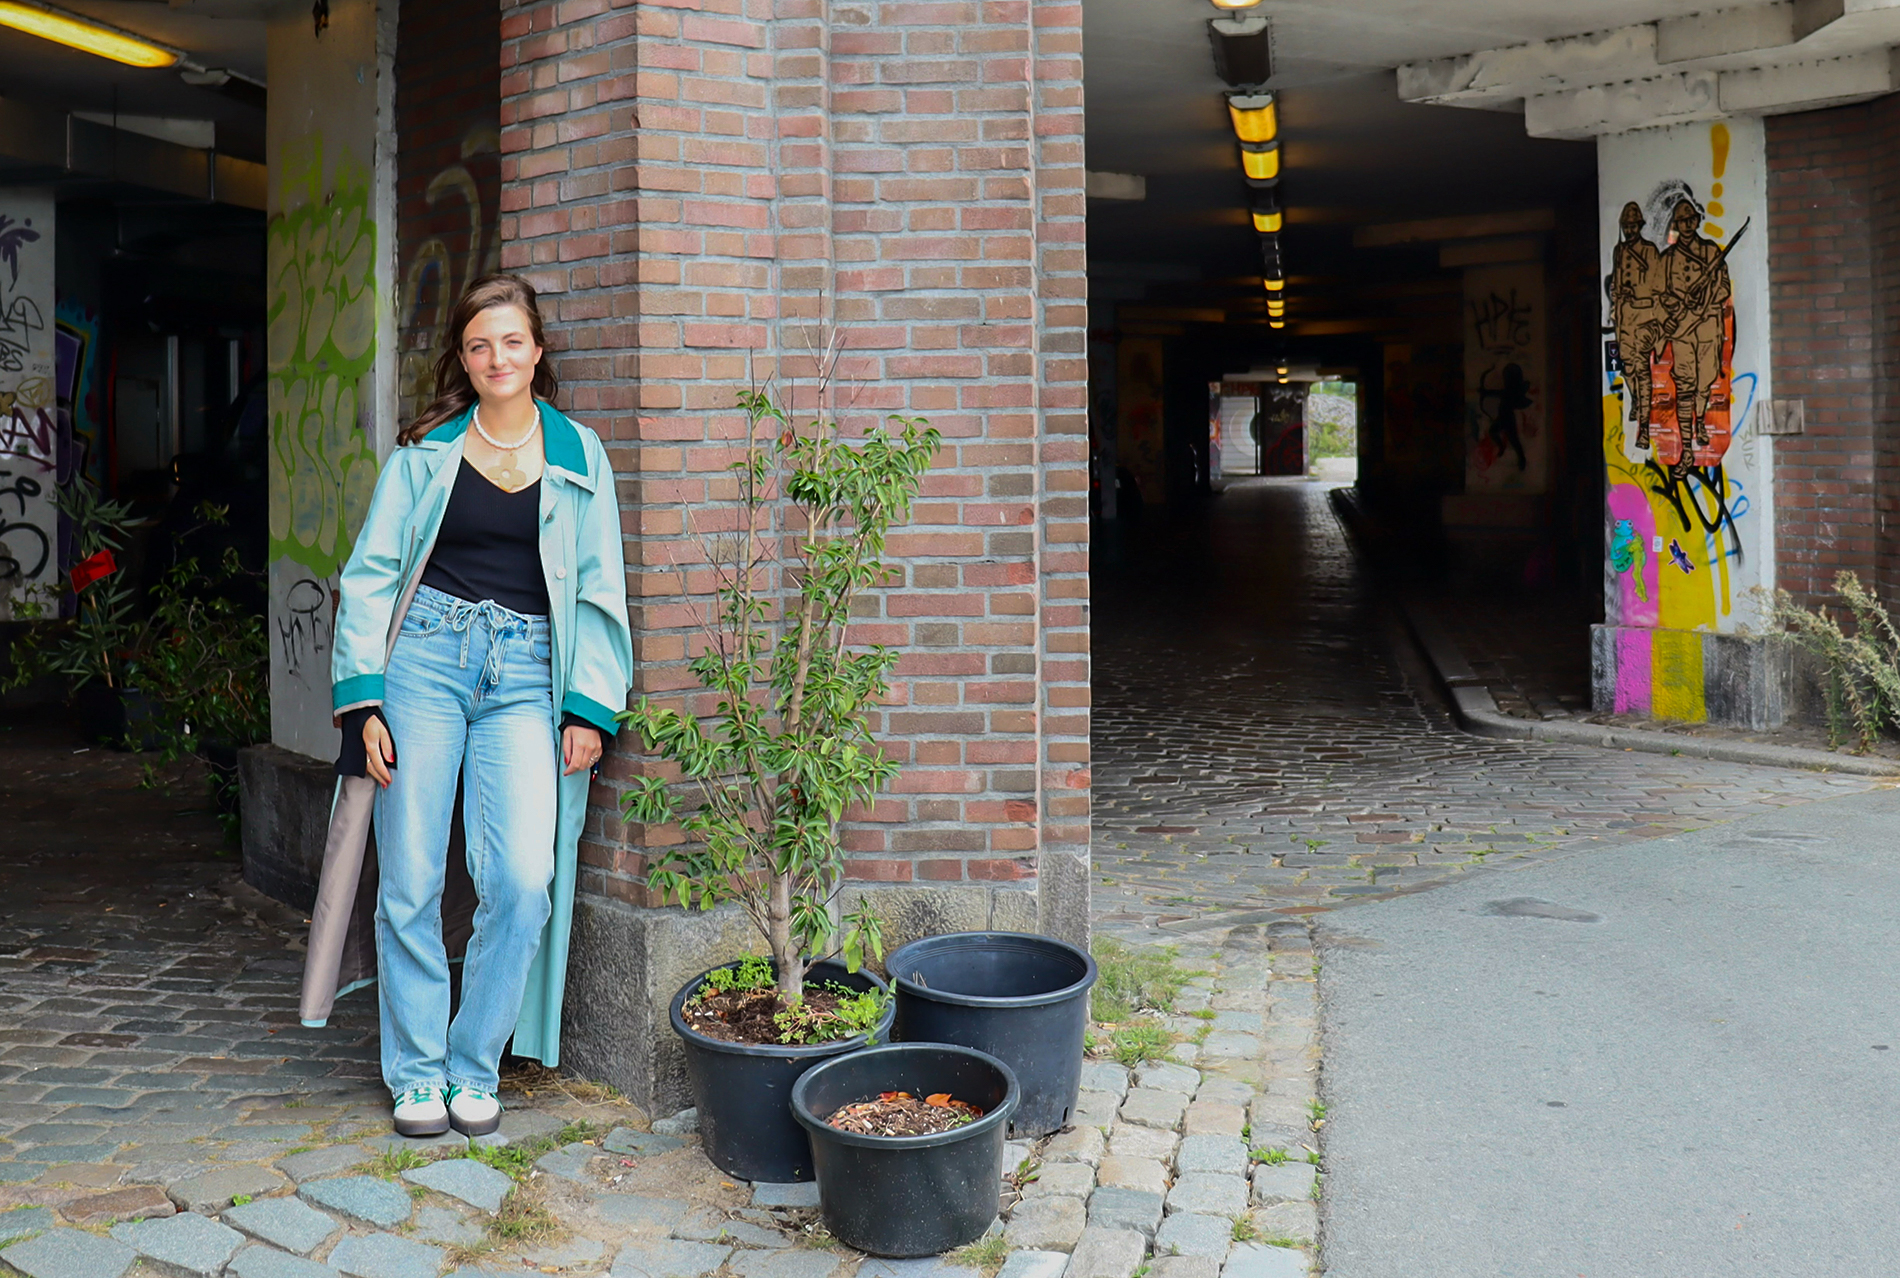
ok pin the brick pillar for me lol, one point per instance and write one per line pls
(1821, 268)
(702, 194)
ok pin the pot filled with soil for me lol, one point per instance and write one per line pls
(745, 1049)
(1022, 998)
(908, 1143)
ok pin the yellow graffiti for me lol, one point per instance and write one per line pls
(321, 345)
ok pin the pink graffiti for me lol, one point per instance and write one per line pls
(1634, 608)
(1632, 694)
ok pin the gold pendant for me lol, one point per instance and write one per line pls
(508, 479)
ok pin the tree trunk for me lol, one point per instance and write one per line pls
(785, 955)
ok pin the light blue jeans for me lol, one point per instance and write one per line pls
(469, 689)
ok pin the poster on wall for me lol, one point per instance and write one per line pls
(1505, 422)
(1685, 282)
(29, 423)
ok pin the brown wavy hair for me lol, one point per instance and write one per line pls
(454, 393)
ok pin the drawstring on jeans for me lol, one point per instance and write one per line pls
(460, 616)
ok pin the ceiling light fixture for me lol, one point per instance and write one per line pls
(1276, 323)
(1260, 162)
(1243, 50)
(1255, 117)
(1275, 283)
(1235, 5)
(85, 35)
(1268, 223)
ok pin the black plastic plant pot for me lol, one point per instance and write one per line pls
(908, 1195)
(744, 1090)
(1022, 998)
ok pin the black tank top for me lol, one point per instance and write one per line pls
(489, 545)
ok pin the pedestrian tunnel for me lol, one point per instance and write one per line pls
(1542, 282)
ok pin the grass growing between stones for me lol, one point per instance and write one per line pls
(986, 1254)
(516, 1160)
(392, 1163)
(524, 1218)
(1133, 1044)
(1244, 1229)
(1135, 980)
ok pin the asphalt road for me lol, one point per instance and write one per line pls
(1693, 1070)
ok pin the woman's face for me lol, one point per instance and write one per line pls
(499, 353)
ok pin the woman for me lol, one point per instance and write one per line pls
(482, 637)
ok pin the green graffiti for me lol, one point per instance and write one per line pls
(321, 346)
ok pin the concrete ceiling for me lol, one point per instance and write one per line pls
(1355, 154)
(216, 33)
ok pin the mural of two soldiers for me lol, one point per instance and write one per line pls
(1670, 300)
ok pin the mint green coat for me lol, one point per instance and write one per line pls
(585, 570)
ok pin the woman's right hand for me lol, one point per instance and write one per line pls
(379, 750)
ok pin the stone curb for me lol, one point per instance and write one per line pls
(1476, 710)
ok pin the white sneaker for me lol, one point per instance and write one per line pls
(473, 1112)
(420, 1112)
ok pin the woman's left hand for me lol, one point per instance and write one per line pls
(580, 748)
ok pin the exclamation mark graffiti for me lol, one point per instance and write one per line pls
(1718, 148)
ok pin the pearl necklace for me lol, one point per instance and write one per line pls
(510, 478)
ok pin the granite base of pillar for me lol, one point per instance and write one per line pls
(1692, 676)
(284, 814)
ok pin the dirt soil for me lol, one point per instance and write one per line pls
(901, 1114)
(746, 1016)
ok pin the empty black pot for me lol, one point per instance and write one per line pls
(744, 1090)
(1022, 998)
(908, 1195)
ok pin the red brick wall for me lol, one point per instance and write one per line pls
(910, 173)
(1826, 171)
(448, 171)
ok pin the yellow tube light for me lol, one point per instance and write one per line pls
(1261, 162)
(1276, 323)
(1255, 117)
(1268, 223)
(1276, 309)
(83, 34)
(1275, 283)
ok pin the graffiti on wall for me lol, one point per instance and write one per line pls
(29, 423)
(437, 273)
(76, 383)
(321, 344)
(1504, 378)
(1685, 292)
(1280, 430)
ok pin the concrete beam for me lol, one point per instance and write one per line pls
(1725, 32)
(1807, 86)
(1673, 98)
(1116, 186)
(1475, 226)
(1500, 75)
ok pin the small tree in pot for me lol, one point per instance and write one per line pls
(788, 748)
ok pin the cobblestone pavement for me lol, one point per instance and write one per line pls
(164, 1115)
(1259, 744)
